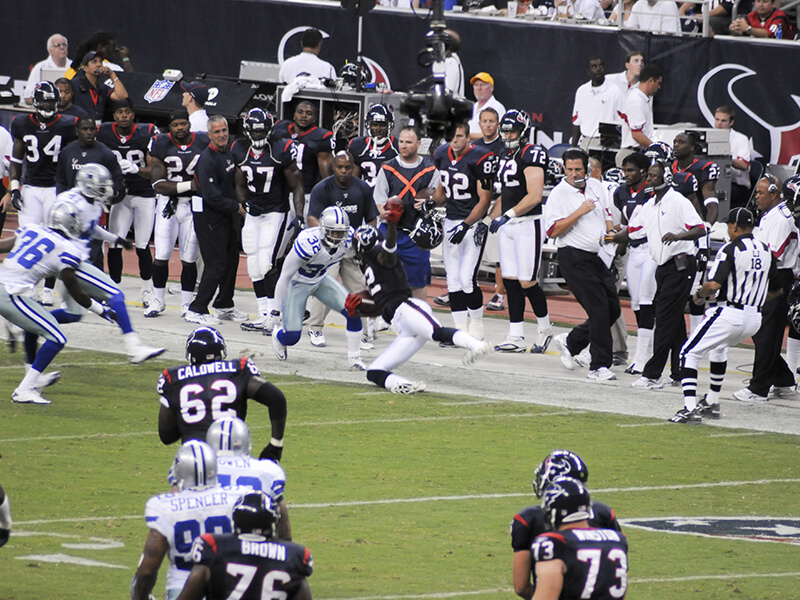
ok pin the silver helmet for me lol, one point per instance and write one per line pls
(229, 436)
(94, 181)
(195, 466)
(334, 224)
(65, 218)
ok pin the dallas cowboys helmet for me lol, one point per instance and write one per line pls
(65, 218)
(229, 436)
(515, 121)
(258, 125)
(365, 239)
(45, 99)
(555, 171)
(334, 225)
(659, 151)
(205, 345)
(559, 463)
(379, 123)
(614, 175)
(195, 466)
(566, 501)
(94, 182)
(427, 233)
(255, 513)
(791, 194)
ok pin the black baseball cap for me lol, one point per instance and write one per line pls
(741, 217)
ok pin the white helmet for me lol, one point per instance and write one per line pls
(94, 182)
(195, 466)
(229, 436)
(334, 224)
(65, 218)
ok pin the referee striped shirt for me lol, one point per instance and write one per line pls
(742, 267)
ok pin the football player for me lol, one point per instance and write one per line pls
(94, 188)
(305, 273)
(129, 140)
(641, 267)
(174, 158)
(265, 175)
(372, 150)
(254, 562)
(38, 140)
(412, 318)
(577, 559)
(208, 375)
(199, 506)
(230, 439)
(467, 175)
(517, 216)
(38, 252)
(316, 145)
(533, 521)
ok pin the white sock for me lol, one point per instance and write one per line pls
(160, 294)
(132, 341)
(353, 344)
(393, 379)
(186, 297)
(30, 379)
(475, 313)
(263, 305)
(460, 319)
(147, 285)
(5, 514)
(516, 329)
(644, 348)
(464, 340)
(793, 355)
(543, 323)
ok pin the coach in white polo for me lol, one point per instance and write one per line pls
(308, 63)
(671, 224)
(637, 111)
(596, 101)
(577, 217)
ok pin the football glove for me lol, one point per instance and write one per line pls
(428, 205)
(109, 314)
(458, 232)
(351, 304)
(480, 233)
(498, 222)
(271, 452)
(297, 224)
(394, 211)
(16, 199)
(702, 261)
(128, 167)
(170, 208)
(125, 243)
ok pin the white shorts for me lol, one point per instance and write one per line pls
(461, 261)
(641, 276)
(138, 211)
(180, 227)
(262, 240)
(414, 323)
(520, 248)
(722, 327)
(36, 205)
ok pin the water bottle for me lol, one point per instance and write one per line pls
(779, 32)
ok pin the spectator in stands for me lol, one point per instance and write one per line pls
(629, 78)
(65, 105)
(596, 101)
(308, 63)
(57, 48)
(195, 96)
(91, 85)
(637, 112)
(766, 21)
(483, 88)
(655, 16)
(586, 9)
(627, 5)
(721, 22)
(740, 156)
(719, 17)
(453, 71)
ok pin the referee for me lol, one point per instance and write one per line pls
(741, 273)
(671, 224)
(578, 216)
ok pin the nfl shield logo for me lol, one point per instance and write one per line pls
(159, 90)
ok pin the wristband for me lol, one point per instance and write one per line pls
(184, 186)
(510, 213)
(391, 250)
(115, 80)
(710, 200)
(276, 443)
(13, 185)
(96, 307)
(126, 59)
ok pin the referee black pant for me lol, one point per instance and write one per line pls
(672, 289)
(218, 240)
(769, 368)
(592, 284)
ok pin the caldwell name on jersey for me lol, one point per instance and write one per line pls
(198, 395)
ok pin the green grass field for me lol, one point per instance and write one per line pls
(397, 497)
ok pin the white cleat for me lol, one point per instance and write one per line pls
(408, 387)
(317, 339)
(147, 298)
(513, 343)
(155, 308)
(601, 374)
(560, 343)
(644, 383)
(143, 353)
(356, 364)
(477, 352)
(231, 314)
(47, 379)
(47, 297)
(256, 324)
(28, 397)
(184, 310)
(366, 344)
(280, 349)
(200, 319)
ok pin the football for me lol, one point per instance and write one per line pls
(367, 307)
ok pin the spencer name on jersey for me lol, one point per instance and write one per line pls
(180, 160)
(311, 143)
(369, 157)
(179, 503)
(43, 143)
(461, 177)
(268, 189)
(131, 147)
(511, 175)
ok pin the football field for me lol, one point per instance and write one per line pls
(397, 497)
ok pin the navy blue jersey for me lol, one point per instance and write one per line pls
(530, 522)
(180, 160)
(310, 144)
(703, 170)
(43, 143)
(462, 176)
(387, 286)
(626, 199)
(265, 171)
(200, 394)
(92, 99)
(497, 146)
(685, 183)
(369, 157)
(511, 174)
(252, 567)
(73, 111)
(405, 183)
(596, 561)
(132, 147)
(74, 156)
(215, 177)
(356, 200)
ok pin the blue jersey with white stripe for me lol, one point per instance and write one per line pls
(38, 253)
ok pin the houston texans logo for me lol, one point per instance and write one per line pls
(765, 112)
